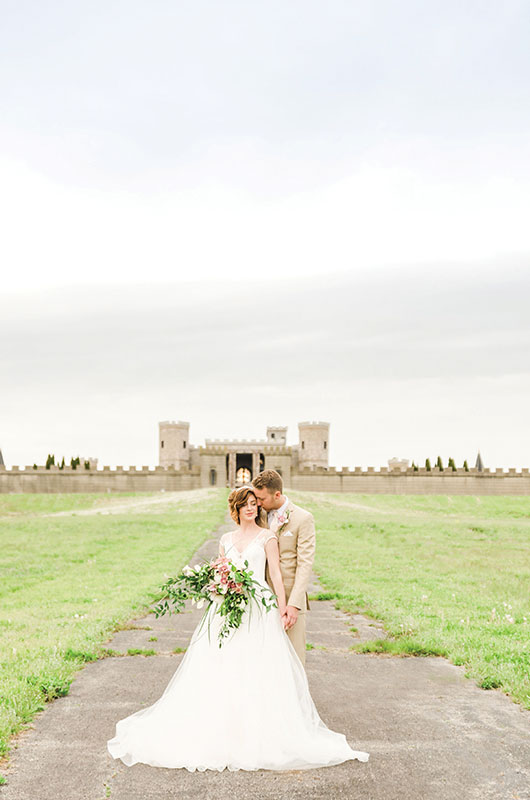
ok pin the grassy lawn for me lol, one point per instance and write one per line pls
(27, 504)
(447, 576)
(67, 582)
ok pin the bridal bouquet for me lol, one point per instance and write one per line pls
(218, 582)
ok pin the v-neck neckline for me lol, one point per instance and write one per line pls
(246, 547)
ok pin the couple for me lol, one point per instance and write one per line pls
(247, 704)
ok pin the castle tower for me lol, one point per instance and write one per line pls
(174, 444)
(276, 435)
(313, 449)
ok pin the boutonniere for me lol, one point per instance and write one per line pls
(282, 520)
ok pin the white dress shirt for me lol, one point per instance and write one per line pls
(277, 511)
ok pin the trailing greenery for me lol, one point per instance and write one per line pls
(447, 575)
(68, 582)
(226, 588)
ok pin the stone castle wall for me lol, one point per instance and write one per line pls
(367, 481)
(388, 481)
(55, 480)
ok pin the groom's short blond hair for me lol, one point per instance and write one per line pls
(268, 479)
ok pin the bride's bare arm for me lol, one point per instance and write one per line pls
(272, 551)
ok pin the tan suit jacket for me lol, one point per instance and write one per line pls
(296, 540)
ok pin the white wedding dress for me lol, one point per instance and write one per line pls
(245, 705)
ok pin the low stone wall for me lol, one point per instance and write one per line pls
(55, 480)
(359, 481)
(386, 481)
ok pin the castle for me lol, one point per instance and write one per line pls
(233, 463)
(228, 463)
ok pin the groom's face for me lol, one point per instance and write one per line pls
(267, 500)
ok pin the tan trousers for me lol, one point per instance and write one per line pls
(297, 636)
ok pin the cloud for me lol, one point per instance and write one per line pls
(425, 323)
(243, 214)
(196, 139)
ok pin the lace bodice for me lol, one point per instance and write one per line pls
(253, 552)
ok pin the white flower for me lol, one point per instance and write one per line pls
(187, 571)
(197, 567)
(200, 603)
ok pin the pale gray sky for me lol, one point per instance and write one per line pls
(417, 364)
(180, 179)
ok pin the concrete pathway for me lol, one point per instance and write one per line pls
(430, 732)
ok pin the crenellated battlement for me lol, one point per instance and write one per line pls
(421, 472)
(235, 442)
(118, 470)
(275, 450)
(211, 449)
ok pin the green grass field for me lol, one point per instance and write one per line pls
(67, 582)
(447, 575)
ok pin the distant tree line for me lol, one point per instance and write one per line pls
(439, 465)
(75, 462)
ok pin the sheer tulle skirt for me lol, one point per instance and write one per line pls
(245, 706)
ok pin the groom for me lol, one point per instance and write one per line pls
(296, 537)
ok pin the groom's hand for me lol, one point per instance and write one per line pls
(291, 615)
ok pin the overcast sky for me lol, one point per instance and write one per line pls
(242, 214)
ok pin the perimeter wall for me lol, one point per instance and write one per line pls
(361, 481)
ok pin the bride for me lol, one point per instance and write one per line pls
(245, 705)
